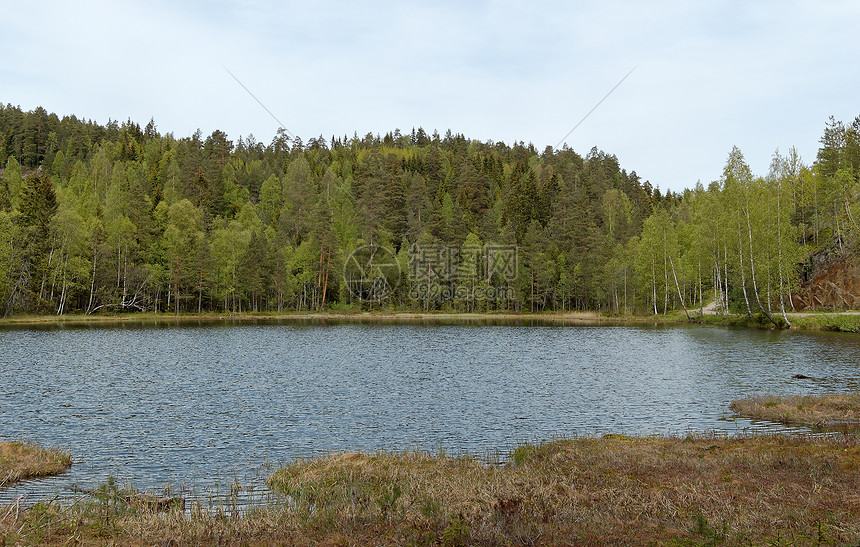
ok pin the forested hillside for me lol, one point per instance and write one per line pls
(123, 218)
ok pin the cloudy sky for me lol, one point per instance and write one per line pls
(708, 75)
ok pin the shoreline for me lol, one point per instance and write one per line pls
(382, 316)
(848, 321)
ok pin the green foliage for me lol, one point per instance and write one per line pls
(120, 218)
(457, 533)
(522, 453)
(10, 185)
(703, 529)
(840, 323)
(183, 242)
(38, 205)
(6, 249)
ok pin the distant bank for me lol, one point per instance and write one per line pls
(848, 321)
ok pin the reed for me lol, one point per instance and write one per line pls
(697, 490)
(20, 461)
(840, 411)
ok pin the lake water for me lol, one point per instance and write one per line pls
(198, 406)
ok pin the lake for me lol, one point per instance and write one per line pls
(199, 406)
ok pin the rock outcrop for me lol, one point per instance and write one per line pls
(831, 282)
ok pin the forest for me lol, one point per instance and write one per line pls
(118, 218)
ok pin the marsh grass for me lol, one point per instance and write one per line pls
(837, 412)
(20, 461)
(703, 490)
(828, 321)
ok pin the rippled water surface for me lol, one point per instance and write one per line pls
(204, 405)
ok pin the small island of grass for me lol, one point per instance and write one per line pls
(21, 461)
(839, 411)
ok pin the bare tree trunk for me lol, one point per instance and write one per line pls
(325, 282)
(654, 282)
(427, 301)
(280, 293)
(743, 274)
(625, 291)
(653, 279)
(680, 296)
(718, 289)
(63, 291)
(615, 290)
(726, 276)
(532, 289)
(125, 276)
(815, 198)
(45, 273)
(701, 303)
(665, 276)
(92, 284)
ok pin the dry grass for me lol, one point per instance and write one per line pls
(824, 411)
(609, 490)
(20, 461)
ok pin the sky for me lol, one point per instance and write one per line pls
(706, 76)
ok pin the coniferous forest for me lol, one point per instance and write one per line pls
(121, 218)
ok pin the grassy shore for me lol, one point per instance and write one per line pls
(827, 321)
(840, 412)
(166, 319)
(20, 461)
(844, 322)
(706, 490)
(840, 322)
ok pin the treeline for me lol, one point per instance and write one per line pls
(123, 218)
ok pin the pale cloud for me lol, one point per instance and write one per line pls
(710, 75)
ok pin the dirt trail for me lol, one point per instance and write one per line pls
(710, 309)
